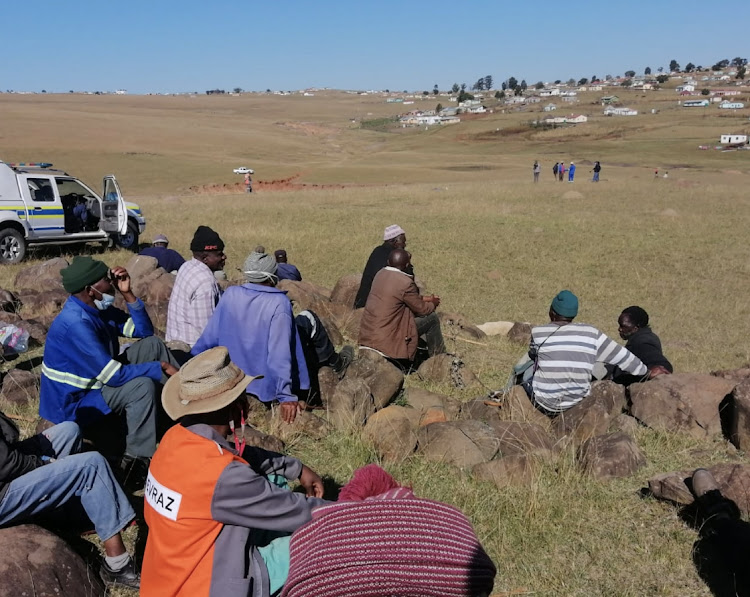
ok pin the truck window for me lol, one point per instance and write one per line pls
(72, 189)
(40, 189)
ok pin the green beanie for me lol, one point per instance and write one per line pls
(565, 304)
(82, 272)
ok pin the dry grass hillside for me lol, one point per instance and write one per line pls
(493, 245)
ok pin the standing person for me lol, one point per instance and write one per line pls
(571, 172)
(219, 513)
(555, 168)
(248, 183)
(284, 270)
(561, 171)
(537, 169)
(597, 169)
(167, 258)
(656, 173)
(394, 237)
(196, 291)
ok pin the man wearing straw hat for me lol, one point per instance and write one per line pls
(219, 523)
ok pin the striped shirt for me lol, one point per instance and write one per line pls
(565, 358)
(193, 300)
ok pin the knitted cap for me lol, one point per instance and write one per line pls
(392, 232)
(565, 304)
(259, 267)
(279, 253)
(206, 239)
(83, 271)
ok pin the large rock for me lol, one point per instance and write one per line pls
(735, 375)
(523, 438)
(479, 410)
(689, 403)
(9, 302)
(739, 427)
(349, 325)
(733, 481)
(456, 325)
(611, 456)
(37, 330)
(520, 333)
(391, 431)
(327, 382)
(446, 368)
(305, 423)
(46, 302)
(346, 289)
(383, 377)
(158, 314)
(150, 283)
(305, 294)
(20, 387)
(432, 407)
(461, 443)
(515, 405)
(334, 334)
(351, 404)
(44, 275)
(593, 415)
(35, 562)
(257, 439)
(138, 268)
(514, 470)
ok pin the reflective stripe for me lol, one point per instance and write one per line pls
(72, 380)
(111, 368)
(129, 328)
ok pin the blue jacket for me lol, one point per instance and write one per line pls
(80, 358)
(286, 271)
(256, 325)
(169, 259)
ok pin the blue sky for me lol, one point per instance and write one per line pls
(166, 46)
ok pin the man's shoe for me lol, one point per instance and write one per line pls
(344, 359)
(132, 472)
(126, 577)
(703, 482)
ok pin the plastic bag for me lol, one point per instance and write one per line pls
(14, 339)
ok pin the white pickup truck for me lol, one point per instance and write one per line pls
(43, 206)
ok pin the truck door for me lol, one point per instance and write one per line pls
(115, 209)
(43, 207)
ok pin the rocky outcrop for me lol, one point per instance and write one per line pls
(456, 325)
(345, 290)
(44, 275)
(20, 387)
(523, 438)
(351, 404)
(392, 432)
(514, 470)
(448, 369)
(460, 443)
(611, 456)
(520, 333)
(739, 427)
(382, 377)
(593, 415)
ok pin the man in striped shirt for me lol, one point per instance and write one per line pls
(564, 355)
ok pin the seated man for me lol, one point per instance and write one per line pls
(169, 259)
(219, 516)
(642, 342)
(394, 237)
(41, 474)
(286, 271)
(396, 315)
(84, 375)
(564, 354)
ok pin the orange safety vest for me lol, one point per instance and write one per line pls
(177, 507)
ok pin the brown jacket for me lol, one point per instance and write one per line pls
(388, 320)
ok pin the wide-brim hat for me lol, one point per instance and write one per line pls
(206, 383)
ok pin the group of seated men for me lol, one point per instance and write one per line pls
(219, 513)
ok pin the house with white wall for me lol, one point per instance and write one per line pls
(733, 139)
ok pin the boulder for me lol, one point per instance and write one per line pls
(739, 427)
(514, 470)
(688, 403)
(158, 314)
(46, 302)
(20, 387)
(351, 404)
(733, 480)
(36, 329)
(331, 329)
(424, 401)
(138, 268)
(456, 325)
(327, 382)
(611, 456)
(149, 282)
(593, 415)
(520, 333)
(349, 325)
(383, 377)
(9, 302)
(436, 414)
(392, 433)
(624, 422)
(496, 328)
(515, 405)
(461, 443)
(34, 561)
(258, 439)
(346, 289)
(304, 294)
(44, 275)
(305, 423)
(446, 368)
(735, 375)
(6, 317)
(478, 410)
(523, 438)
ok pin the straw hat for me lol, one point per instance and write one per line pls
(206, 383)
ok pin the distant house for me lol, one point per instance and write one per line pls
(549, 92)
(645, 86)
(533, 99)
(609, 99)
(515, 99)
(701, 103)
(613, 111)
(595, 87)
(480, 109)
(577, 118)
(727, 105)
(723, 92)
(685, 87)
(570, 99)
(394, 100)
(568, 93)
(448, 112)
(734, 139)
(556, 120)
(550, 107)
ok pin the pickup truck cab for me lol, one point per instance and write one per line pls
(40, 205)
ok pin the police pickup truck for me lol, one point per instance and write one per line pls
(43, 206)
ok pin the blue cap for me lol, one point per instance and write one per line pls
(565, 304)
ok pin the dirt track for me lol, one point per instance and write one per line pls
(282, 184)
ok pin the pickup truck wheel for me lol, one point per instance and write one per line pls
(12, 246)
(129, 240)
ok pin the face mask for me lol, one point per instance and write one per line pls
(105, 302)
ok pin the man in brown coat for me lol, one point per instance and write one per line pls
(396, 315)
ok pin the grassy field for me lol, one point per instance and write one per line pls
(493, 245)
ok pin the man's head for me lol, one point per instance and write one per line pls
(208, 248)
(160, 240)
(395, 236)
(631, 320)
(280, 255)
(260, 268)
(259, 249)
(208, 389)
(564, 306)
(88, 279)
(400, 259)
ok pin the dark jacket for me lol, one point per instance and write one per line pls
(169, 259)
(644, 344)
(13, 463)
(377, 261)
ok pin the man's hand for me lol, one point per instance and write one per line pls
(121, 280)
(168, 368)
(312, 482)
(435, 300)
(656, 371)
(289, 411)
